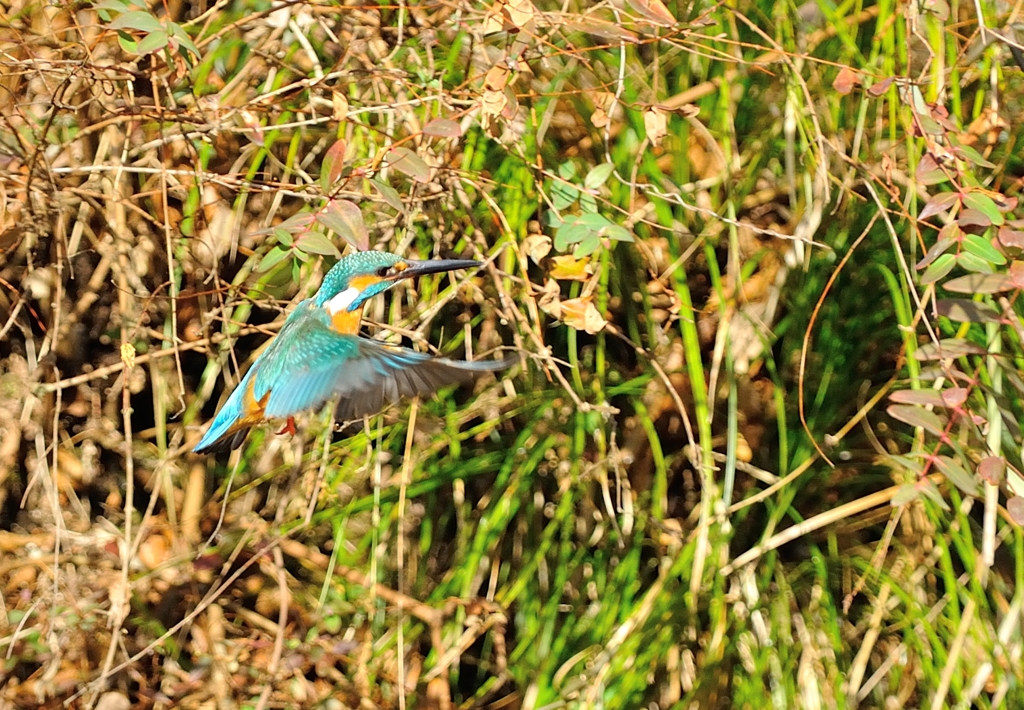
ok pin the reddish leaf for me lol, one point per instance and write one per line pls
(963, 310)
(980, 283)
(405, 161)
(344, 219)
(334, 161)
(845, 81)
(924, 397)
(991, 469)
(880, 87)
(1015, 507)
(928, 171)
(970, 217)
(949, 348)
(918, 417)
(938, 249)
(954, 396)
(1017, 273)
(1011, 238)
(939, 203)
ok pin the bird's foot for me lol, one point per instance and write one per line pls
(289, 427)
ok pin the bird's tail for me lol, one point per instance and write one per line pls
(227, 431)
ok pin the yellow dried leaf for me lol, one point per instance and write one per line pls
(128, 355)
(569, 268)
(599, 118)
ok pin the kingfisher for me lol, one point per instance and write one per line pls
(318, 355)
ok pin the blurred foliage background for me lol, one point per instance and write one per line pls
(762, 447)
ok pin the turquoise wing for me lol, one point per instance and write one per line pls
(364, 375)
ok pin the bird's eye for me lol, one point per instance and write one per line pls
(383, 271)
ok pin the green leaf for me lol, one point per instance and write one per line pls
(115, 5)
(563, 195)
(966, 152)
(137, 20)
(587, 246)
(594, 221)
(940, 247)
(938, 269)
(597, 177)
(983, 249)
(316, 243)
(974, 263)
(179, 33)
(588, 203)
(389, 194)
(272, 258)
(283, 236)
(551, 219)
(153, 42)
(567, 170)
(907, 493)
(127, 42)
(618, 233)
(570, 233)
(984, 204)
(957, 475)
(932, 493)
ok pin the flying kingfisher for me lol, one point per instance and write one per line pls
(318, 355)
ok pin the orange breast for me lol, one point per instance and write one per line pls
(346, 322)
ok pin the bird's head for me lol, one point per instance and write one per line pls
(358, 277)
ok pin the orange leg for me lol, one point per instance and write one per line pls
(289, 427)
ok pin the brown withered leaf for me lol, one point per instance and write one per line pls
(581, 314)
(656, 124)
(549, 300)
(537, 246)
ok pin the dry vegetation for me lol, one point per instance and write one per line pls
(709, 233)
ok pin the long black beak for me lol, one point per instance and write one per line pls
(416, 268)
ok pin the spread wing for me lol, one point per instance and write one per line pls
(364, 374)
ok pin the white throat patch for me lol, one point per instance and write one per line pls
(342, 301)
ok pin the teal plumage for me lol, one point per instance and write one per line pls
(318, 355)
